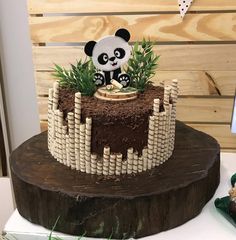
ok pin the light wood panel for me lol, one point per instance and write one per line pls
(225, 81)
(213, 83)
(97, 6)
(194, 83)
(222, 134)
(216, 110)
(205, 57)
(157, 27)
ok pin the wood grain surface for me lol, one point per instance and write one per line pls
(102, 6)
(157, 27)
(194, 83)
(212, 57)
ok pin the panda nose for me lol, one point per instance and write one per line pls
(112, 59)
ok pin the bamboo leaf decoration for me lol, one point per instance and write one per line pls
(141, 68)
(79, 77)
(142, 65)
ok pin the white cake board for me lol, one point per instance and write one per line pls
(210, 224)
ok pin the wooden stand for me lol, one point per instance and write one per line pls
(123, 206)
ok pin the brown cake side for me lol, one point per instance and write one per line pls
(120, 125)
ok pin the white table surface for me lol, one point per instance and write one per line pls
(6, 202)
(209, 224)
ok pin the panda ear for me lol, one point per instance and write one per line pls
(123, 33)
(88, 49)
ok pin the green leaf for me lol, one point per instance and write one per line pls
(54, 226)
(233, 180)
(79, 77)
(142, 64)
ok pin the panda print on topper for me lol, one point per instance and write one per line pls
(108, 55)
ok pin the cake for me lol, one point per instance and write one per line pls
(114, 163)
(137, 135)
(107, 137)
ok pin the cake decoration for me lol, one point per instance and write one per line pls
(227, 205)
(184, 5)
(75, 144)
(70, 134)
(109, 54)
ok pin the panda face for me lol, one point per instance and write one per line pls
(111, 53)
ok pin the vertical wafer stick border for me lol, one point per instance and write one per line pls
(55, 95)
(130, 157)
(156, 109)
(106, 157)
(71, 124)
(135, 162)
(74, 148)
(145, 159)
(77, 128)
(88, 132)
(64, 131)
(166, 103)
(82, 148)
(118, 164)
(93, 164)
(174, 96)
(112, 164)
(151, 128)
(60, 136)
(99, 168)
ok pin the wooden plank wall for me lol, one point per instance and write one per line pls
(199, 51)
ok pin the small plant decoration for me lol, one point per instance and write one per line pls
(79, 77)
(142, 64)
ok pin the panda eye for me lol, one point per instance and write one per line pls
(119, 53)
(103, 58)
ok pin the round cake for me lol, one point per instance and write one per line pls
(119, 125)
(112, 138)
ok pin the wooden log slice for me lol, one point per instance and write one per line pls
(126, 206)
(115, 95)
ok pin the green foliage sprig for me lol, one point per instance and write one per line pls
(142, 65)
(79, 77)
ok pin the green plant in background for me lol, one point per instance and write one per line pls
(79, 77)
(142, 64)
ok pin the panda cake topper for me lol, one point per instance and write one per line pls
(109, 54)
